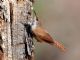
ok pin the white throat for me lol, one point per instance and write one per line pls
(34, 25)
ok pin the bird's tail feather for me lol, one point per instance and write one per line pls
(60, 46)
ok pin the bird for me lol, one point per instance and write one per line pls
(35, 30)
(41, 35)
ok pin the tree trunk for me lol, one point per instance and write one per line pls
(18, 46)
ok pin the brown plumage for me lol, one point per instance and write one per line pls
(42, 36)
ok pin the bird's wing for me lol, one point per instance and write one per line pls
(43, 35)
(38, 39)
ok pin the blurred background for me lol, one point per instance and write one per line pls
(61, 18)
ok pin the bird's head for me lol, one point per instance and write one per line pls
(33, 23)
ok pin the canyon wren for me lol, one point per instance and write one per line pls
(41, 35)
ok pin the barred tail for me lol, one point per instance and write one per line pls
(60, 46)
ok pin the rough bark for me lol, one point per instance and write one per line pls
(18, 46)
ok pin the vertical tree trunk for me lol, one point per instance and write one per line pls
(15, 12)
